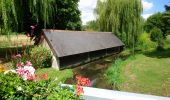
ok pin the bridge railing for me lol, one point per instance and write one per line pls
(104, 94)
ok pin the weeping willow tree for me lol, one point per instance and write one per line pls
(14, 12)
(122, 17)
(42, 10)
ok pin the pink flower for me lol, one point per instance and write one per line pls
(27, 71)
(32, 27)
(20, 64)
(28, 63)
(35, 77)
(20, 71)
(28, 34)
(18, 55)
(79, 90)
(29, 76)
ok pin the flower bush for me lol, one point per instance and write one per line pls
(40, 57)
(13, 87)
(22, 83)
(26, 71)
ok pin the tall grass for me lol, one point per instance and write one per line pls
(113, 73)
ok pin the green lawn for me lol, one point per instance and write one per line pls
(147, 73)
(54, 74)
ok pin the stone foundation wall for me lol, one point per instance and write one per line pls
(55, 60)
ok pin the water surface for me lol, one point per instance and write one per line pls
(95, 72)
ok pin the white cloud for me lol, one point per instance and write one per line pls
(87, 7)
(145, 16)
(147, 5)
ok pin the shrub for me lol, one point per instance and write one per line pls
(40, 57)
(23, 84)
(156, 35)
(14, 87)
(144, 42)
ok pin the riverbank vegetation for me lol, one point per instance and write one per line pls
(145, 72)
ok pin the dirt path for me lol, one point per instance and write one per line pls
(128, 73)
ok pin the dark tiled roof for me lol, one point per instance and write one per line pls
(65, 43)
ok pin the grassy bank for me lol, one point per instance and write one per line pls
(54, 74)
(146, 72)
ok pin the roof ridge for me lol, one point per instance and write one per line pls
(55, 30)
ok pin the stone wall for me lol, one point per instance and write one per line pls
(55, 60)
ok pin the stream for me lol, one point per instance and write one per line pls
(95, 72)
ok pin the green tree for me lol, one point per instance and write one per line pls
(14, 12)
(153, 21)
(92, 25)
(19, 15)
(157, 36)
(167, 8)
(165, 18)
(122, 17)
(67, 15)
(159, 20)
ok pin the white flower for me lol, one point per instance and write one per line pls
(6, 72)
(24, 76)
(30, 69)
(19, 88)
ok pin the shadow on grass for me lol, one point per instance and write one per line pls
(165, 53)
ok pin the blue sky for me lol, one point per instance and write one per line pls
(150, 7)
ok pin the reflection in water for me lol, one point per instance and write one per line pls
(95, 72)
